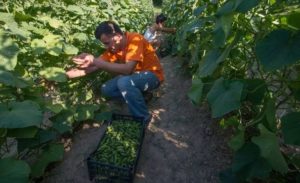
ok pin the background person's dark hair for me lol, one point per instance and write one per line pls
(107, 27)
(161, 18)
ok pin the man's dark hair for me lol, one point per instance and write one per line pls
(161, 18)
(107, 27)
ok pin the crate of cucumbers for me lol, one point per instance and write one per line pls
(116, 156)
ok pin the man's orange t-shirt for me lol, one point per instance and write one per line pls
(140, 50)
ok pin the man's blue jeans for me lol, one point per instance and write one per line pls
(131, 88)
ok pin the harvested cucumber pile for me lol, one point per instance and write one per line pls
(120, 144)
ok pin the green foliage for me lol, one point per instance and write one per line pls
(224, 93)
(290, 128)
(20, 114)
(14, 171)
(269, 149)
(38, 39)
(278, 49)
(53, 153)
(244, 59)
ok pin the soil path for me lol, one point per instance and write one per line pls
(182, 143)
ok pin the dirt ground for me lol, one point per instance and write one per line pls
(182, 143)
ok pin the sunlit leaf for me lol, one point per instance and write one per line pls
(9, 51)
(55, 23)
(38, 46)
(80, 36)
(19, 31)
(54, 74)
(6, 17)
(70, 49)
(75, 9)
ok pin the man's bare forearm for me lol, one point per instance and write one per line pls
(126, 68)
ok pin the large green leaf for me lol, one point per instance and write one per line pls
(20, 114)
(9, 79)
(9, 51)
(195, 92)
(222, 29)
(63, 121)
(269, 149)
(226, 8)
(241, 6)
(54, 74)
(254, 90)
(249, 164)
(237, 141)
(19, 31)
(224, 96)
(43, 136)
(103, 116)
(80, 36)
(39, 46)
(209, 63)
(75, 9)
(215, 57)
(293, 19)
(6, 17)
(70, 49)
(245, 5)
(53, 153)
(199, 10)
(278, 49)
(28, 132)
(85, 112)
(55, 23)
(269, 119)
(54, 44)
(295, 88)
(14, 171)
(291, 128)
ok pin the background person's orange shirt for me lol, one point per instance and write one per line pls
(140, 50)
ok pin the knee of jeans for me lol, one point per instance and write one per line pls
(104, 90)
(124, 82)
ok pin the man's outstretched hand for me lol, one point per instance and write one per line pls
(83, 60)
(74, 73)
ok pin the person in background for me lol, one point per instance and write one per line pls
(132, 58)
(153, 33)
